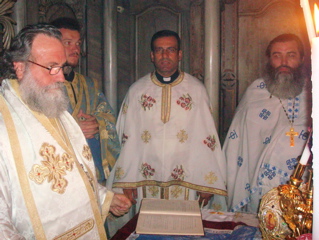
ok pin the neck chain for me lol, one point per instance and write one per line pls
(291, 132)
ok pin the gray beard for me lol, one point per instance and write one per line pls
(284, 85)
(41, 99)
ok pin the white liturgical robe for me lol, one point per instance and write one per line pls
(48, 188)
(170, 147)
(257, 147)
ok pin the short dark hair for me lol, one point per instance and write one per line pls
(21, 46)
(165, 33)
(67, 23)
(286, 38)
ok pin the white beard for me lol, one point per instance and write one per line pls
(41, 99)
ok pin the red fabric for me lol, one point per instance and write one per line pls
(129, 227)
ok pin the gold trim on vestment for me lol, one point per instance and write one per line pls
(84, 90)
(166, 95)
(77, 231)
(67, 147)
(170, 183)
(23, 177)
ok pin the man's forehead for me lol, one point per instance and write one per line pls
(47, 46)
(287, 46)
(70, 34)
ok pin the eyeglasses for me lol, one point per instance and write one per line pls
(53, 70)
(160, 50)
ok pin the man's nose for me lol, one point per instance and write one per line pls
(75, 48)
(59, 77)
(165, 53)
(284, 61)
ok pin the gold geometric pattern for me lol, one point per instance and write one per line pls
(182, 136)
(86, 152)
(53, 168)
(119, 172)
(146, 136)
(153, 190)
(176, 191)
(77, 231)
(217, 207)
(211, 178)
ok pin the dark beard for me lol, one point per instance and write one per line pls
(284, 85)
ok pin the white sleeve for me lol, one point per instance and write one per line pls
(7, 229)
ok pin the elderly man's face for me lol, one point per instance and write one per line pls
(48, 52)
(166, 55)
(42, 91)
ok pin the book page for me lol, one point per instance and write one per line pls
(179, 207)
(169, 217)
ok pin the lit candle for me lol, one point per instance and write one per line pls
(308, 19)
(315, 123)
(305, 155)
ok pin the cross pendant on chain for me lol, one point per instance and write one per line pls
(292, 134)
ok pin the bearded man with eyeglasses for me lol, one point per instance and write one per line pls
(170, 147)
(48, 185)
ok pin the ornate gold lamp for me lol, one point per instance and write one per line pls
(286, 211)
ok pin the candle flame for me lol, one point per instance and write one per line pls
(316, 12)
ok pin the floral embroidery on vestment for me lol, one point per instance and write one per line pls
(211, 178)
(124, 109)
(178, 173)
(210, 141)
(217, 207)
(147, 171)
(86, 152)
(146, 136)
(182, 136)
(185, 101)
(176, 191)
(147, 102)
(124, 139)
(53, 168)
(101, 108)
(119, 172)
(153, 190)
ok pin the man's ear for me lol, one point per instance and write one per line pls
(19, 68)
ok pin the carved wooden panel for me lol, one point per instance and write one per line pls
(148, 22)
(197, 37)
(137, 21)
(52, 9)
(229, 74)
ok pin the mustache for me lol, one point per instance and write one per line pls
(58, 85)
(284, 66)
(74, 54)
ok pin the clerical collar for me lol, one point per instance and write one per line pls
(69, 77)
(168, 79)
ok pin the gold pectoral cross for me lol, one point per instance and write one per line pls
(292, 134)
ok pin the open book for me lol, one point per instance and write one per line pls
(169, 217)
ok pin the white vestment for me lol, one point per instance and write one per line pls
(50, 190)
(258, 152)
(170, 147)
